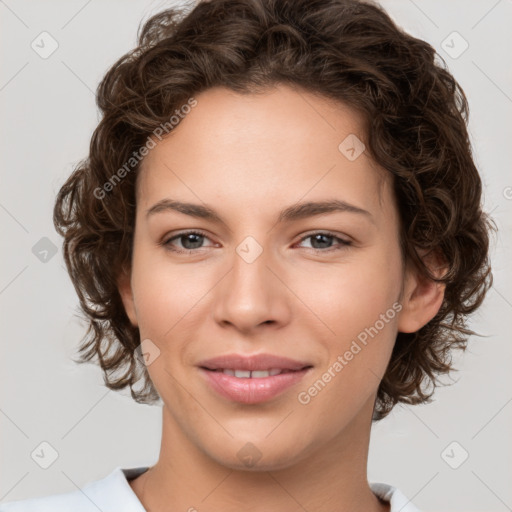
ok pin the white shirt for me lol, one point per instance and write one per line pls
(114, 494)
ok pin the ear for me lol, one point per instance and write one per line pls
(422, 297)
(125, 290)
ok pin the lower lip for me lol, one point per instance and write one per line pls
(252, 390)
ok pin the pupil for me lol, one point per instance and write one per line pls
(187, 238)
(317, 238)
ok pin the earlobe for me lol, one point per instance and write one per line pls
(125, 291)
(422, 299)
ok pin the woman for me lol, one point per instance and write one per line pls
(278, 231)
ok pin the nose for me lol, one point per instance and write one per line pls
(252, 294)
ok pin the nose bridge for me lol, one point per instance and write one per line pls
(251, 294)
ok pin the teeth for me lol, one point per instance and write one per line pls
(260, 373)
(256, 374)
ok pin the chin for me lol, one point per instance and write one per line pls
(256, 454)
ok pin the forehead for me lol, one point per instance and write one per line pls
(252, 150)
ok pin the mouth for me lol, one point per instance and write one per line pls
(254, 374)
(252, 379)
(252, 386)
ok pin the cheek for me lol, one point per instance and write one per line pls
(164, 292)
(358, 303)
(361, 307)
(351, 295)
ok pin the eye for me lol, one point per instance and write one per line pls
(322, 241)
(190, 241)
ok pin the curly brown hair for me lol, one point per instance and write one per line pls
(415, 116)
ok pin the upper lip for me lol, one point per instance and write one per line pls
(252, 363)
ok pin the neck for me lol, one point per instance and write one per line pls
(331, 477)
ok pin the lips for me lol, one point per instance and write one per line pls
(252, 379)
(258, 362)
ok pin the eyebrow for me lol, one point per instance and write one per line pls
(292, 213)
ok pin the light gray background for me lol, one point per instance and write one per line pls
(48, 115)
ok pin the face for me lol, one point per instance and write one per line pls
(319, 287)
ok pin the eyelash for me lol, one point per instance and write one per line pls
(343, 243)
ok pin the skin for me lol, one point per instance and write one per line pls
(248, 157)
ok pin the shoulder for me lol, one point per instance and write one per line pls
(110, 493)
(398, 502)
(75, 500)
